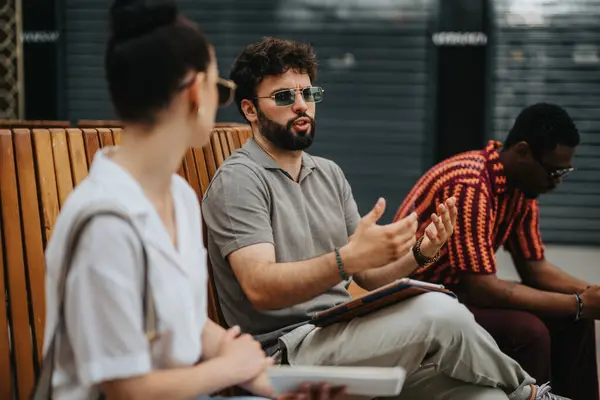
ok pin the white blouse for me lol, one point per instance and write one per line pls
(105, 333)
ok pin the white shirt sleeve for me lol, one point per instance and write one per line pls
(103, 310)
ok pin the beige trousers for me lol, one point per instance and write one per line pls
(446, 354)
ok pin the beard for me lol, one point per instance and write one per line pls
(282, 136)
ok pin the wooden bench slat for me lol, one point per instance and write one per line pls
(201, 169)
(217, 150)
(227, 142)
(244, 136)
(32, 229)
(92, 144)
(77, 156)
(106, 137)
(227, 150)
(46, 180)
(84, 123)
(218, 137)
(17, 281)
(6, 384)
(230, 135)
(117, 135)
(62, 164)
(191, 172)
(209, 158)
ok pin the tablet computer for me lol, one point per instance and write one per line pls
(360, 381)
(377, 299)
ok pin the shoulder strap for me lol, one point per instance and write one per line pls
(43, 387)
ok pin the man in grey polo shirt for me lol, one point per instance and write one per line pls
(285, 236)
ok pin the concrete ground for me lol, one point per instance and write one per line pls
(582, 262)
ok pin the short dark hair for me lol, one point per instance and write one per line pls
(150, 50)
(271, 56)
(543, 126)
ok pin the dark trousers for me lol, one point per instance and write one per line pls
(555, 350)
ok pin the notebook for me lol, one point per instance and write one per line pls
(387, 295)
(359, 381)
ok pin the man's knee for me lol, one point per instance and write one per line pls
(441, 309)
(428, 383)
(526, 329)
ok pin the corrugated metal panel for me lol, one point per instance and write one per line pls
(550, 51)
(373, 65)
(86, 28)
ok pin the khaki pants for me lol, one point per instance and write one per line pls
(446, 354)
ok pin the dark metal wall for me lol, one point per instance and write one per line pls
(40, 39)
(373, 65)
(403, 90)
(551, 52)
(461, 52)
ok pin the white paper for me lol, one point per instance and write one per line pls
(363, 381)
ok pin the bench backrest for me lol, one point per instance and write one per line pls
(15, 123)
(38, 170)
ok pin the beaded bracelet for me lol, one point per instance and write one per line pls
(340, 265)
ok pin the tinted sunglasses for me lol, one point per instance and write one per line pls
(287, 97)
(225, 88)
(553, 173)
(560, 173)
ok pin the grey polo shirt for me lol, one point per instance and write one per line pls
(252, 200)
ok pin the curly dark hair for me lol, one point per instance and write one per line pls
(543, 126)
(271, 56)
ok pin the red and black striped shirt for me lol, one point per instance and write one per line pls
(489, 215)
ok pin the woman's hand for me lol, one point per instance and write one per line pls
(244, 355)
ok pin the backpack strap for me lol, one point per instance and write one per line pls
(43, 387)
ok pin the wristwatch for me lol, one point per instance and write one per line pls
(422, 260)
(579, 307)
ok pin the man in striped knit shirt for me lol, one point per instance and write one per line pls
(546, 322)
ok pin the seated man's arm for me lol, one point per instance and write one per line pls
(471, 250)
(527, 250)
(272, 285)
(490, 291)
(237, 208)
(544, 275)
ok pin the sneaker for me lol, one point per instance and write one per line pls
(543, 393)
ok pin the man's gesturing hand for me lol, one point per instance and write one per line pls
(375, 245)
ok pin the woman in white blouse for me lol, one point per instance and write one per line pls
(163, 81)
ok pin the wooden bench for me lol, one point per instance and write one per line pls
(15, 123)
(38, 170)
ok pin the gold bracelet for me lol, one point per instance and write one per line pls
(422, 260)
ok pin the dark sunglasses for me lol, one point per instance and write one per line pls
(287, 97)
(553, 173)
(560, 173)
(225, 88)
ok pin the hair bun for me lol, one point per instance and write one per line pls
(133, 18)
